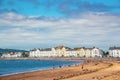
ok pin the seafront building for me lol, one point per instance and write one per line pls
(59, 51)
(114, 51)
(42, 52)
(62, 51)
(11, 55)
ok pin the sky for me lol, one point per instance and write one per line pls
(28, 24)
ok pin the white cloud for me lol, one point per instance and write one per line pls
(12, 16)
(88, 29)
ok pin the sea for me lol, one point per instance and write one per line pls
(10, 67)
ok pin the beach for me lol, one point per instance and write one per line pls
(90, 70)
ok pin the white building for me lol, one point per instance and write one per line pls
(114, 51)
(71, 52)
(88, 52)
(80, 51)
(48, 52)
(11, 55)
(62, 51)
(96, 52)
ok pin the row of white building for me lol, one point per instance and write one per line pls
(62, 51)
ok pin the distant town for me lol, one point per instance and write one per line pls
(61, 51)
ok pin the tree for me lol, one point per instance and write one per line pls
(0, 54)
(24, 54)
(106, 53)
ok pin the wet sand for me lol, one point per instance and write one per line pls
(91, 70)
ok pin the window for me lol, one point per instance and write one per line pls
(95, 51)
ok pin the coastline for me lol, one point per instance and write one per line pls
(43, 68)
(91, 67)
(61, 58)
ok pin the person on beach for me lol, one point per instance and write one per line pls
(82, 67)
(60, 66)
(53, 67)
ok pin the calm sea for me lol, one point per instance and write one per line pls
(8, 67)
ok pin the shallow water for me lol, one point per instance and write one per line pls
(8, 67)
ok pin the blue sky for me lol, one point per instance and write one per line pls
(27, 24)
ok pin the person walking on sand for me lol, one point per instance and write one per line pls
(53, 67)
(82, 67)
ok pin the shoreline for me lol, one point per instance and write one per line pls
(45, 68)
(42, 69)
(62, 58)
(74, 59)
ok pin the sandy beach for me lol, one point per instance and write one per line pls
(91, 70)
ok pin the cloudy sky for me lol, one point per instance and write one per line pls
(27, 24)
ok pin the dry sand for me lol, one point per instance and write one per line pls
(93, 70)
(110, 73)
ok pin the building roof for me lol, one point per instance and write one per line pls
(35, 49)
(113, 48)
(88, 48)
(79, 48)
(60, 47)
(46, 49)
